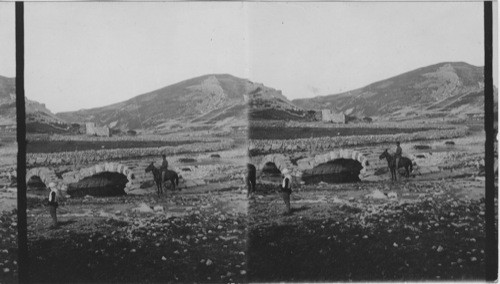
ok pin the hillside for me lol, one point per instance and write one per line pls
(270, 104)
(210, 100)
(447, 89)
(7, 101)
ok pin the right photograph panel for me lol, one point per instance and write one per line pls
(366, 142)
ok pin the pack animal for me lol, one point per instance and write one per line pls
(172, 176)
(391, 163)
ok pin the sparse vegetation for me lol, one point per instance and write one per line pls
(298, 133)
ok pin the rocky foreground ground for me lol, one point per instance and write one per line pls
(179, 238)
(410, 230)
(414, 229)
(8, 247)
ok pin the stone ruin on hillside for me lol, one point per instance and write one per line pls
(328, 115)
(92, 129)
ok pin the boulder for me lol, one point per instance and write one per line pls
(143, 208)
(376, 194)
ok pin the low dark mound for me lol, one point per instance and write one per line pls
(337, 171)
(449, 143)
(187, 160)
(102, 185)
(215, 156)
(422, 147)
(36, 183)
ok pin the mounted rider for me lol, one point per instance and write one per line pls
(164, 167)
(398, 154)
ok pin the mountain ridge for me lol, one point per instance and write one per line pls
(218, 99)
(435, 87)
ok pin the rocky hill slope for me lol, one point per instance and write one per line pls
(207, 100)
(450, 88)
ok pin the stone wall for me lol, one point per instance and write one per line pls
(148, 137)
(259, 147)
(93, 156)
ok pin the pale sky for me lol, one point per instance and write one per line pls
(83, 55)
(7, 40)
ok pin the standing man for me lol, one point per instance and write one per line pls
(398, 154)
(286, 189)
(163, 168)
(53, 204)
(250, 179)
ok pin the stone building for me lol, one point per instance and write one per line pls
(331, 116)
(92, 129)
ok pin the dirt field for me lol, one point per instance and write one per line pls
(374, 231)
(8, 212)
(196, 234)
(187, 237)
(299, 132)
(427, 227)
(68, 146)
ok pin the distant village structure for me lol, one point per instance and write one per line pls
(328, 115)
(92, 129)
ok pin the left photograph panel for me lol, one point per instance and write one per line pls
(8, 146)
(136, 131)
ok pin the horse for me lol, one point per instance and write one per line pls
(169, 175)
(391, 162)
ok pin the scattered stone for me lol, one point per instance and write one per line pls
(158, 208)
(376, 194)
(163, 258)
(440, 249)
(143, 208)
(209, 262)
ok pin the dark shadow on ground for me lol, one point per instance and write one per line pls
(299, 209)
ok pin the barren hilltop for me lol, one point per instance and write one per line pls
(210, 99)
(449, 88)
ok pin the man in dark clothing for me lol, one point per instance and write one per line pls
(251, 178)
(397, 156)
(164, 167)
(286, 190)
(53, 204)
